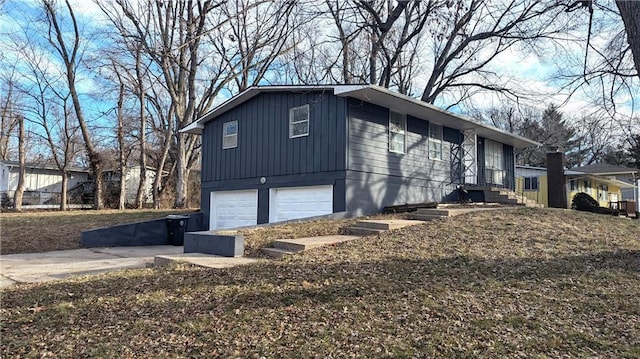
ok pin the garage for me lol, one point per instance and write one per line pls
(300, 202)
(233, 209)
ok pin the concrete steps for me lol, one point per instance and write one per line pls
(202, 260)
(429, 214)
(501, 195)
(375, 227)
(276, 252)
(283, 247)
(362, 231)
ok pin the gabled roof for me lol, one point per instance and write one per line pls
(379, 96)
(605, 168)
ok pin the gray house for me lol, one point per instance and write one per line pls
(276, 153)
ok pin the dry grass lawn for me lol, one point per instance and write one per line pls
(513, 283)
(43, 231)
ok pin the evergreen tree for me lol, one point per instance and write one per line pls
(552, 130)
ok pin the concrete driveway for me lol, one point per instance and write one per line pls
(48, 266)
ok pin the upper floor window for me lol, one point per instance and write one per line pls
(435, 141)
(397, 132)
(299, 121)
(531, 183)
(230, 134)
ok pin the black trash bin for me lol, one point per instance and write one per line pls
(176, 226)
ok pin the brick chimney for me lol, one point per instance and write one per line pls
(555, 179)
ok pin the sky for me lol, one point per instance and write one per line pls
(524, 71)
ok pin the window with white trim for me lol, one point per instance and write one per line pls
(397, 132)
(435, 141)
(531, 183)
(230, 134)
(299, 121)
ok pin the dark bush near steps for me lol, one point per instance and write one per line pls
(584, 202)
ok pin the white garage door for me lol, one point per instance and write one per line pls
(300, 202)
(233, 209)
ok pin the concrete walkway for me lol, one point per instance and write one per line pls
(49, 266)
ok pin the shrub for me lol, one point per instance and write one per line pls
(584, 202)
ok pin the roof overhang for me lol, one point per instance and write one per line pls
(420, 109)
(603, 180)
(380, 96)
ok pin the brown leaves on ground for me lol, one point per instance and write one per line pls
(43, 231)
(512, 283)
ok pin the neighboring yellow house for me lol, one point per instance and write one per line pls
(532, 183)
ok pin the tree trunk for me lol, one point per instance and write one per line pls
(17, 196)
(140, 195)
(122, 161)
(630, 13)
(123, 184)
(181, 180)
(157, 181)
(63, 190)
(70, 59)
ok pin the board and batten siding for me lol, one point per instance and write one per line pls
(264, 147)
(377, 177)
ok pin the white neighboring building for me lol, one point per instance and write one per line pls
(132, 179)
(43, 182)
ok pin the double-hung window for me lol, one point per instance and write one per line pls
(435, 141)
(299, 121)
(397, 132)
(230, 134)
(531, 183)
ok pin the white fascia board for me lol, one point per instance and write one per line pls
(194, 128)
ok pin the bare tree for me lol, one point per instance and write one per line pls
(596, 135)
(451, 43)
(473, 33)
(339, 10)
(630, 13)
(252, 37)
(391, 34)
(8, 121)
(17, 196)
(162, 129)
(200, 48)
(171, 34)
(140, 91)
(122, 157)
(609, 67)
(71, 56)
